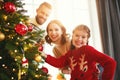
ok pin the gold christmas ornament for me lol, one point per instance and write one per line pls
(38, 58)
(60, 76)
(5, 17)
(27, 22)
(2, 36)
(22, 20)
(25, 48)
(17, 43)
(30, 45)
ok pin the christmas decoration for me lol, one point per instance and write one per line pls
(30, 28)
(5, 17)
(44, 69)
(9, 7)
(24, 67)
(24, 62)
(40, 48)
(38, 58)
(17, 44)
(61, 76)
(2, 36)
(21, 29)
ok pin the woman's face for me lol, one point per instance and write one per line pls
(55, 33)
(79, 38)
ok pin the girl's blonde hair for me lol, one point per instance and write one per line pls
(84, 28)
(64, 35)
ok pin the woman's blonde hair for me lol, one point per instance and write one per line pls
(64, 35)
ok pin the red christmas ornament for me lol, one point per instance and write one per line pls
(40, 48)
(21, 29)
(30, 28)
(9, 7)
(44, 69)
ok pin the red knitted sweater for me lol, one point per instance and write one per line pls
(82, 63)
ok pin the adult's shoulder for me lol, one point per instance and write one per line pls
(33, 21)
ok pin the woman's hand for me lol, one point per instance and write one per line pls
(43, 55)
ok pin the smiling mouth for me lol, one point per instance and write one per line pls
(78, 43)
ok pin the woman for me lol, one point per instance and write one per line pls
(56, 34)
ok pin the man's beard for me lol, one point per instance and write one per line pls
(40, 20)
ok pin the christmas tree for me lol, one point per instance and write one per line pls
(20, 44)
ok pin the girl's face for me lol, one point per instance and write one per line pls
(79, 38)
(55, 33)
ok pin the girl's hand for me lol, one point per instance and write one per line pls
(66, 70)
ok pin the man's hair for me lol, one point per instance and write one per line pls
(46, 4)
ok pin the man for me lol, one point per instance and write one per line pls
(43, 12)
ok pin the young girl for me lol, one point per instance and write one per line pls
(56, 34)
(83, 58)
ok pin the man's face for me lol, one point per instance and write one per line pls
(42, 14)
